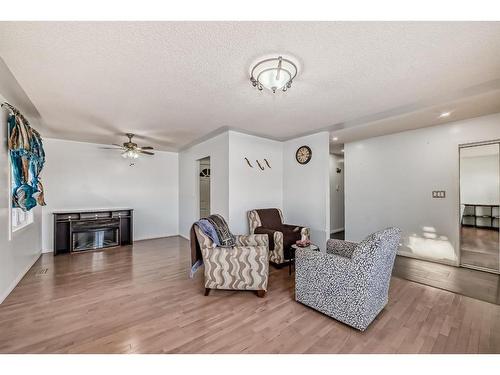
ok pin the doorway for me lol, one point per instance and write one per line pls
(337, 230)
(204, 186)
(479, 206)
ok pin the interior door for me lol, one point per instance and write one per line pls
(204, 185)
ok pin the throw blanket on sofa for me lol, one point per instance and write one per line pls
(207, 228)
(226, 238)
(195, 247)
(222, 231)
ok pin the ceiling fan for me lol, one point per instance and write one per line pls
(130, 150)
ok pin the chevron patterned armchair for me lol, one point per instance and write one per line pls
(350, 282)
(241, 267)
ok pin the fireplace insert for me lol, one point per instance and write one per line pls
(79, 231)
(96, 234)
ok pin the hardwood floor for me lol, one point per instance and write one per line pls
(139, 300)
(471, 283)
(479, 247)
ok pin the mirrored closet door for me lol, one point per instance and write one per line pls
(479, 206)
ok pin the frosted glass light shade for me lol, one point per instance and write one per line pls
(272, 79)
(274, 74)
(130, 154)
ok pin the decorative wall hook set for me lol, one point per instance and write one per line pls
(259, 164)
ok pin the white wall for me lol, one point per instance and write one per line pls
(306, 188)
(251, 188)
(336, 193)
(479, 179)
(389, 180)
(218, 150)
(86, 176)
(18, 254)
(302, 191)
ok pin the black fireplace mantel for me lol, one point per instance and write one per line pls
(84, 230)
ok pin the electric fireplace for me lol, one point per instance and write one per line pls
(96, 234)
(80, 231)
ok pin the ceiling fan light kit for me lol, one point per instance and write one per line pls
(131, 150)
(276, 73)
(130, 154)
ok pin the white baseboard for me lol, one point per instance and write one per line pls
(154, 237)
(337, 230)
(21, 274)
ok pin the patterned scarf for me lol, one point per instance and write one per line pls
(226, 238)
(27, 158)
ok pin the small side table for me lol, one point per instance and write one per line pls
(312, 247)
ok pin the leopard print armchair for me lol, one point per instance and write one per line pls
(350, 282)
(241, 267)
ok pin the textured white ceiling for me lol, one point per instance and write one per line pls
(174, 82)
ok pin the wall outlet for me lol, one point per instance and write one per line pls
(439, 194)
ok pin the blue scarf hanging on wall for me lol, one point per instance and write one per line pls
(27, 158)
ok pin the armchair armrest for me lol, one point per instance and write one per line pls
(339, 247)
(304, 231)
(275, 238)
(252, 240)
(295, 228)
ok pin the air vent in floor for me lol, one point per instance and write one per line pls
(41, 271)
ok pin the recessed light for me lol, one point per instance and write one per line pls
(444, 114)
(335, 138)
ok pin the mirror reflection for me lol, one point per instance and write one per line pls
(479, 206)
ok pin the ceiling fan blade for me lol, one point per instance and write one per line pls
(146, 152)
(111, 148)
(146, 148)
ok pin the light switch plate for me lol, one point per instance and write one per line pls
(439, 194)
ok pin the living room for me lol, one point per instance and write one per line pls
(249, 187)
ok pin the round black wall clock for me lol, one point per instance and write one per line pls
(303, 154)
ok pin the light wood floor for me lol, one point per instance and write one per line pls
(471, 283)
(479, 247)
(139, 300)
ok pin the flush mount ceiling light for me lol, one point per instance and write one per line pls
(276, 73)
